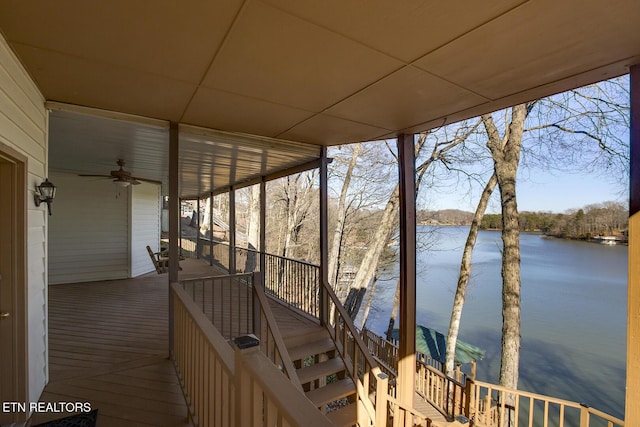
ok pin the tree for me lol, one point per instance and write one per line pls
(563, 122)
(253, 222)
(505, 151)
(292, 206)
(465, 274)
(341, 214)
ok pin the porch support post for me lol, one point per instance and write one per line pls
(323, 310)
(179, 223)
(407, 199)
(263, 231)
(632, 409)
(211, 228)
(174, 220)
(198, 227)
(232, 230)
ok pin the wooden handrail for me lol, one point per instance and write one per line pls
(223, 388)
(220, 242)
(487, 411)
(401, 412)
(346, 338)
(198, 345)
(448, 395)
(218, 276)
(266, 398)
(349, 324)
(274, 333)
(444, 393)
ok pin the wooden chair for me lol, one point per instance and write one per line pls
(160, 262)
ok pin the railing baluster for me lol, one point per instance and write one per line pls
(546, 414)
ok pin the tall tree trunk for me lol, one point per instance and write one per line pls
(394, 311)
(334, 256)
(369, 263)
(367, 307)
(253, 228)
(465, 273)
(205, 223)
(506, 156)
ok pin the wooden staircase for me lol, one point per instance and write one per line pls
(321, 372)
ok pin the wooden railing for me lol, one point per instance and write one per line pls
(271, 342)
(236, 307)
(488, 409)
(372, 391)
(189, 247)
(450, 397)
(267, 398)
(227, 301)
(294, 283)
(385, 352)
(226, 389)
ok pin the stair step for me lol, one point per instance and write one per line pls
(312, 348)
(344, 417)
(331, 392)
(320, 370)
(295, 339)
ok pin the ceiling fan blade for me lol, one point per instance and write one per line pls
(95, 176)
(121, 176)
(152, 181)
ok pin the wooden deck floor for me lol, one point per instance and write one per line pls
(108, 345)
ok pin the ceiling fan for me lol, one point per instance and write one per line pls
(122, 177)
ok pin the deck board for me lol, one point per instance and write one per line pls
(108, 345)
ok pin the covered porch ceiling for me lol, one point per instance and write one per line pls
(299, 72)
(90, 142)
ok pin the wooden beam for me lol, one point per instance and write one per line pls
(407, 201)
(632, 410)
(174, 220)
(324, 238)
(232, 230)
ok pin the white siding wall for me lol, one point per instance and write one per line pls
(89, 230)
(23, 127)
(145, 226)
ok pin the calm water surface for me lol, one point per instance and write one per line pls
(574, 308)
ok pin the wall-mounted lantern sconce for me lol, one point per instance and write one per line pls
(45, 192)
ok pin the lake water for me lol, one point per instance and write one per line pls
(574, 310)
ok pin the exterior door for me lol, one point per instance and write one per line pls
(13, 376)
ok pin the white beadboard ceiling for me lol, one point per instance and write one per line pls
(85, 143)
(317, 72)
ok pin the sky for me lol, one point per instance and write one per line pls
(542, 191)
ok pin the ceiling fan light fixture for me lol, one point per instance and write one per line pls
(121, 183)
